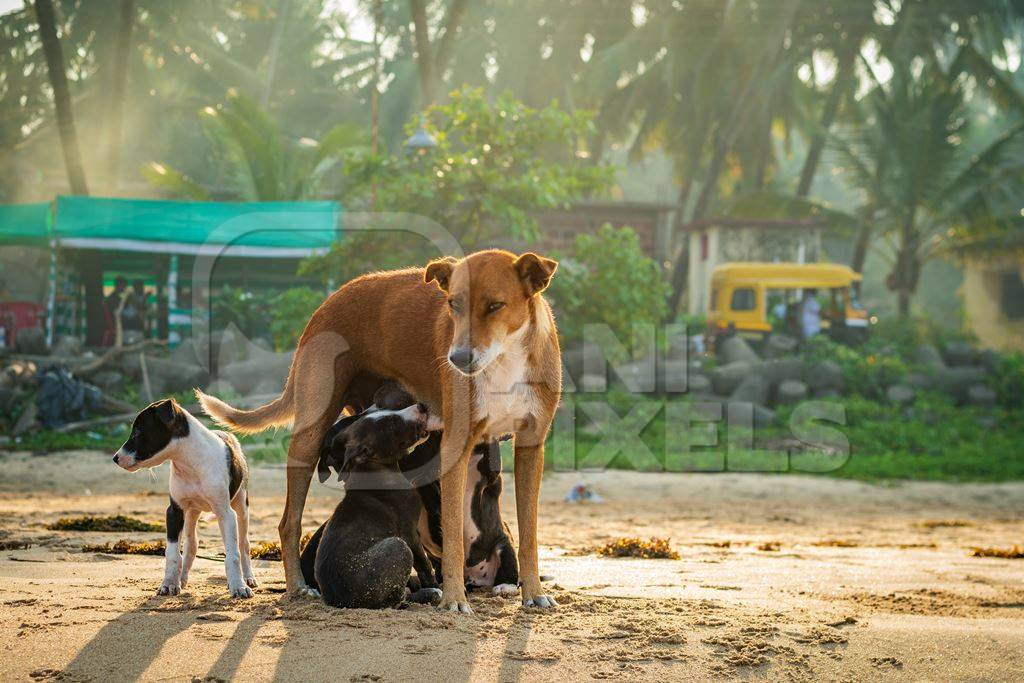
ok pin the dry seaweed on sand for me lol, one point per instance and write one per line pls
(125, 547)
(114, 523)
(769, 546)
(1013, 553)
(15, 545)
(271, 550)
(654, 548)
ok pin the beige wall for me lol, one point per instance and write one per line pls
(982, 306)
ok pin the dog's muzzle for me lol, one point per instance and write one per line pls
(125, 461)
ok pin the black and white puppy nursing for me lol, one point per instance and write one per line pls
(389, 521)
(208, 474)
(363, 556)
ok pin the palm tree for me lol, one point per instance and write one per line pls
(923, 172)
(255, 160)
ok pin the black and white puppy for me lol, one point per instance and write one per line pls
(490, 555)
(364, 554)
(208, 474)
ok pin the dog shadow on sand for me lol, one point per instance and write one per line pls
(311, 639)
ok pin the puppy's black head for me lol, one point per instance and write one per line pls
(152, 431)
(375, 438)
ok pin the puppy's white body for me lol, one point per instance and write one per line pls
(200, 481)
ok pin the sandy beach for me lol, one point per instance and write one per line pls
(779, 577)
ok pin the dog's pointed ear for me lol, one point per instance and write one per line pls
(440, 271)
(535, 271)
(167, 412)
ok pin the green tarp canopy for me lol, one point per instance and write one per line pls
(25, 224)
(251, 229)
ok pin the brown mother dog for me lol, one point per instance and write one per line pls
(479, 347)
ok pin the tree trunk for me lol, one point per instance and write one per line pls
(432, 65)
(119, 79)
(91, 263)
(61, 96)
(828, 116)
(424, 54)
(273, 51)
(860, 249)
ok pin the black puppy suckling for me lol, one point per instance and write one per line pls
(364, 554)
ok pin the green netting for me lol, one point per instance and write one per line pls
(252, 229)
(25, 224)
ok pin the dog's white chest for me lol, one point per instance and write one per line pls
(503, 394)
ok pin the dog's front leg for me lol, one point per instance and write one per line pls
(454, 459)
(228, 523)
(172, 554)
(529, 468)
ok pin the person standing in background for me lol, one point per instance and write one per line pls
(810, 314)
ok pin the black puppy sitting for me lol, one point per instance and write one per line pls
(364, 554)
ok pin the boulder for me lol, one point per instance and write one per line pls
(824, 376)
(900, 395)
(753, 388)
(698, 385)
(637, 377)
(742, 414)
(245, 375)
(108, 380)
(990, 359)
(679, 344)
(790, 392)
(268, 386)
(921, 381)
(957, 354)
(954, 382)
(781, 369)
(67, 346)
(725, 378)
(229, 346)
(220, 388)
(778, 345)
(674, 376)
(166, 375)
(981, 395)
(733, 349)
(593, 383)
(927, 356)
(31, 341)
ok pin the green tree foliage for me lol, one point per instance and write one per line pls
(495, 164)
(257, 161)
(607, 279)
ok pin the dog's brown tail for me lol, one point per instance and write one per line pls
(277, 413)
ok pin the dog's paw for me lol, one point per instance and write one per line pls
(240, 591)
(250, 581)
(169, 589)
(454, 604)
(541, 601)
(306, 592)
(505, 589)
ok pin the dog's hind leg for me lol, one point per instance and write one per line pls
(241, 507)
(323, 371)
(190, 544)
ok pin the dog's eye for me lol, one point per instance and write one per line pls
(495, 306)
(454, 305)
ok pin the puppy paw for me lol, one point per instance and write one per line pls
(541, 601)
(250, 581)
(240, 591)
(426, 596)
(169, 589)
(306, 592)
(505, 589)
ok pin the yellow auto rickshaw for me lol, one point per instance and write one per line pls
(755, 299)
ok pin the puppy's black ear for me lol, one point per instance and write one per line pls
(440, 271)
(535, 272)
(391, 396)
(167, 412)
